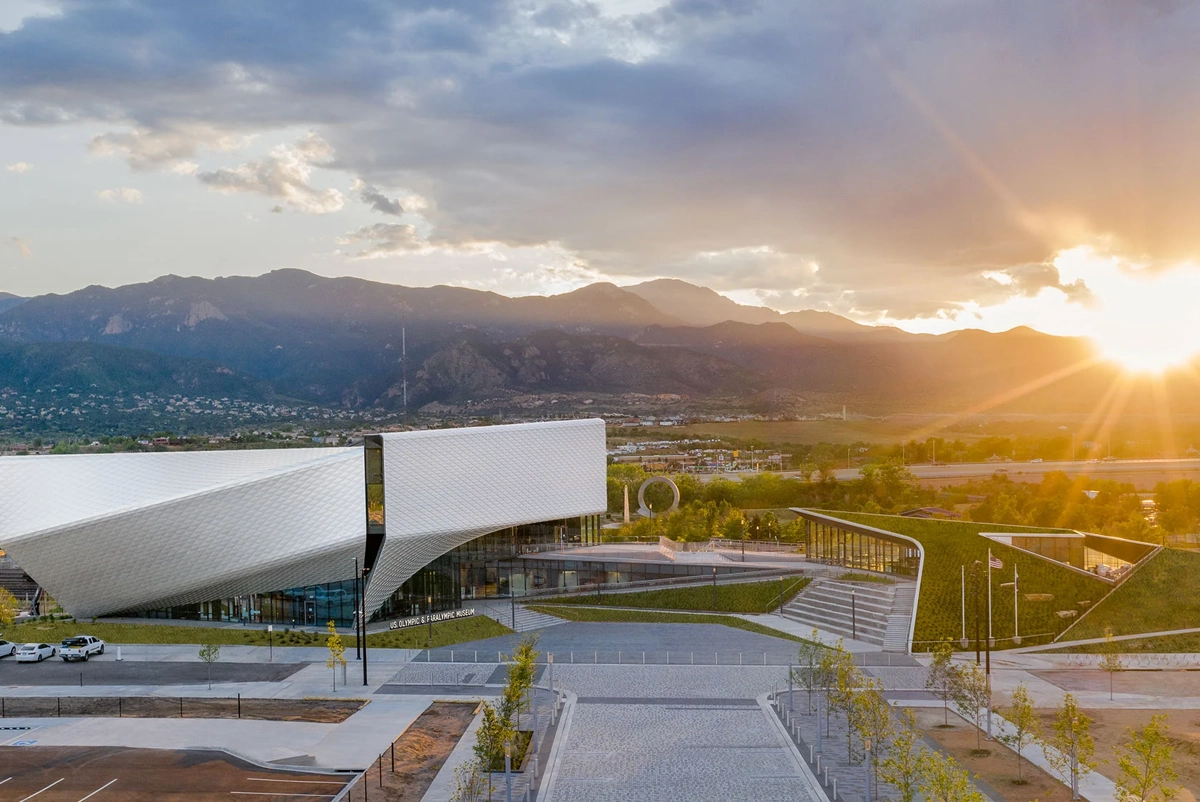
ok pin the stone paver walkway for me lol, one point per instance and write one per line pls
(681, 749)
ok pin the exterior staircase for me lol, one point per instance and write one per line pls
(15, 582)
(871, 612)
(501, 610)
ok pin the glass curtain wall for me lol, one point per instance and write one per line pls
(849, 547)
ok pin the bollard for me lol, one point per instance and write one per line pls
(618, 658)
(119, 658)
(668, 658)
(643, 660)
(835, 788)
(739, 658)
(451, 655)
(239, 705)
(80, 679)
(764, 658)
(476, 655)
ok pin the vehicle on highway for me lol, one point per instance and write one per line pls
(34, 652)
(80, 647)
(1037, 459)
(7, 648)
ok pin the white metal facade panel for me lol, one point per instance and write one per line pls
(445, 487)
(108, 533)
(271, 522)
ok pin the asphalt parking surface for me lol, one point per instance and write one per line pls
(138, 672)
(118, 774)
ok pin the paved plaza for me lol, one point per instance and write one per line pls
(675, 749)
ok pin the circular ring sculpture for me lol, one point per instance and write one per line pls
(645, 511)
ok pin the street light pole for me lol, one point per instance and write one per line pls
(362, 616)
(853, 614)
(357, 621)
(429, 615)
(714, 587)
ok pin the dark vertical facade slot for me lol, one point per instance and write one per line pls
(376, 518)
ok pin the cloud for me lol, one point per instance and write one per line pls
(384, 239)
(124, 195)
(18, 167)
(284, 173)
(22, 245)
(376, 199)
(916, 154)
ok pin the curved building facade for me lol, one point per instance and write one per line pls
(108, 534)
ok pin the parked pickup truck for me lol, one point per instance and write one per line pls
(80, 647)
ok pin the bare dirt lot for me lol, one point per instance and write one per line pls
(998, 770)
(117, 774)
(1163, 683)
(1111, 727)
(420, 753)
(321, 711)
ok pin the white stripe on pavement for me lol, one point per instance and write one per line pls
(309, 782)
(47, 788)
(98, 790)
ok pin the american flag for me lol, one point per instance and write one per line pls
(995, 562)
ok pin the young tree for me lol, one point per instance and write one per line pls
(1111, 662)
(1070, 746)
(8, 608)
(522, 668)
(943, 677)
(848, 682)
(470, 784)
(973, 698)
(903, 766)
(1146, 767)
(943, 780)
(337, 653)
(806, 674)
(210, 653)
(871, 719)
(1025, 727)
(828, 665)
(493, 733)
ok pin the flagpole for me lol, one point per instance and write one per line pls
(989, 597)
(964, 607)
(1016, 618)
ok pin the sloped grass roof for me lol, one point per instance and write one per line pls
(951, 544)
(1162, 595)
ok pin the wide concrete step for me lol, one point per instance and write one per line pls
(835, 602)
(817, 614)
(844, 629)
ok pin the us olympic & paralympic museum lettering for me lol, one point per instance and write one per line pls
(431, 618)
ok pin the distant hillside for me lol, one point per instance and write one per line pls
(337, 342)
(87, 367)
(8, 301)
(700, 306)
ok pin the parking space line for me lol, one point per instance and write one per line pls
(277, 793)
(47, 788)
(6, 779)
(98, 790)
(306, 782)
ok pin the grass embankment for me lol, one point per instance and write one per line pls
(1161, 595)
(747, 597)
(593, 614)
(952, 544)
(444, 634)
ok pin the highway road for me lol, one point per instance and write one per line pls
(1141, 472)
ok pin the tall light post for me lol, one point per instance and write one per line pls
(714, 587)
(362, 617)
(507, 772)
(357, 621)
(853, 614)
(429, 615)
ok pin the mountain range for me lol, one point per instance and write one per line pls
(351, 343)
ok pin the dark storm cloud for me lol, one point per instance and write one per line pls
(908, 149)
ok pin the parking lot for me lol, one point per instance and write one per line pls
(107, 774)
(139, 672)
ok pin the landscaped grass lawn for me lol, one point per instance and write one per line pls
(952, 544)
(572, 613)
(444, 634)
(747, 597)
(1161, 595)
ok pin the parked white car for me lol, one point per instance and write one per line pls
(7, 648)
(80, 647)
(34, 652)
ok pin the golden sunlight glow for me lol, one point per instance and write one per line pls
(1144, 319)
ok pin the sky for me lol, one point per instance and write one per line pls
(932, 164)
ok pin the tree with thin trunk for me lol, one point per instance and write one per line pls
(1024, 723)
(337, 653)
(807, 674)
(1111, 662)
(828, 666)
(848, 682)
(943, 678)
(973, 698)
(905, 761)
(210, 653)
(1070, 747)
(1146, 767)
(8, 607)
(943, 780)
(871, 719)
